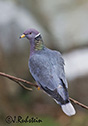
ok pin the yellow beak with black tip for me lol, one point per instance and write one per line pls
(22, 36)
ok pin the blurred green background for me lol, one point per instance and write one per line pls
(64, 27)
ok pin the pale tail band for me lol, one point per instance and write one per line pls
(68, 109)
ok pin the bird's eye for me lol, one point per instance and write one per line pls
(30, 33)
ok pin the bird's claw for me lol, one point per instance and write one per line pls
(38, 88)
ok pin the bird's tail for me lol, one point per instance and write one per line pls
(68, 109)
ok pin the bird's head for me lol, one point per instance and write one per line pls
(35, 39)
(30, 34)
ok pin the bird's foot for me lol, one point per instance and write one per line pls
(38, 88)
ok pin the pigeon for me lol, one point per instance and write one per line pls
(47, 68)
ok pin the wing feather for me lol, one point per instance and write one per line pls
(47, 68)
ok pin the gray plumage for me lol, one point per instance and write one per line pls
(47, 68)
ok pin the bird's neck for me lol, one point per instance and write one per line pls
(36, 45)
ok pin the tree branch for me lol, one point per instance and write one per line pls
(78, 103)
(21, 81)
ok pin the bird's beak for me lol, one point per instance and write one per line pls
(22, 36)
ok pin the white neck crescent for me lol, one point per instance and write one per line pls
(37, 35)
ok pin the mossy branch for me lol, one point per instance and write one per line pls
(21, 81)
